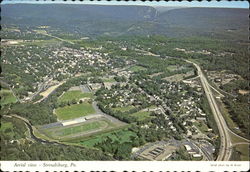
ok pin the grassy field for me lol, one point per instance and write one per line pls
(140, 116)
(244, 151)
(121, 136)
(76, 133)
(7, 97)
(74, 95)
(123, 109)
(108, 80)
(7, 128)
(201, 126)
(74, 111)
(178, 77)
(41, 42)
(136, 68)
(82, 128)
(172, 67)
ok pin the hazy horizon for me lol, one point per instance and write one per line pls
(211, 4)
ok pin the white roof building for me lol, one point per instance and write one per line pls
(188, 148)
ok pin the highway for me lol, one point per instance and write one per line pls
(225, 151)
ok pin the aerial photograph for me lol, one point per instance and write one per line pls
(124, 81)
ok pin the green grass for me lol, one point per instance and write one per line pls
(74, 95)
(123, 109)
(172, 67)
(201, 126)
(74, 111)
(136, 68)
(82, 128)
(120, 136)
(244, 152)
(108, 80)
(7, 128)
(41, 42)
(141, 116)
(7, 97)
(236, 139)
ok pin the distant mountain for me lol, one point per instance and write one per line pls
(96, 20)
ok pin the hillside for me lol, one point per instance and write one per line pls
(96, 20)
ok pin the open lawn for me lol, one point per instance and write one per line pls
(172, 67)
(120, 136)
(82, 128)
(178, 77)
(7, 97)
(74, 95)
(201, 126)
(141, 116)
(136, 68)
(123, 109)
(74, 111)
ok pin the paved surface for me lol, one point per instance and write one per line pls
(51, 125)
(203, 147)
(85, 88)
(111, 118)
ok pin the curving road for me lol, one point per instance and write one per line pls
(225, 146)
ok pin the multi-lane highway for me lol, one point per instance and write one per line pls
(225, 146)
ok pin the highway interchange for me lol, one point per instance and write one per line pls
(225, 151)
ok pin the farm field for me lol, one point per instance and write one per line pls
(74, 111)
(74, 95)
(7, 97)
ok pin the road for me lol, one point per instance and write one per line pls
(225, 150)
(46, 34)
(111, 118)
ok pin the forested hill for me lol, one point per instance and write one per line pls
(96, 20)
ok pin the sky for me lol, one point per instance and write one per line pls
(213, 3)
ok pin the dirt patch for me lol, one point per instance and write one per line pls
(244, 92)
(50, 90)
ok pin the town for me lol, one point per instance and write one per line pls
(152, 97)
